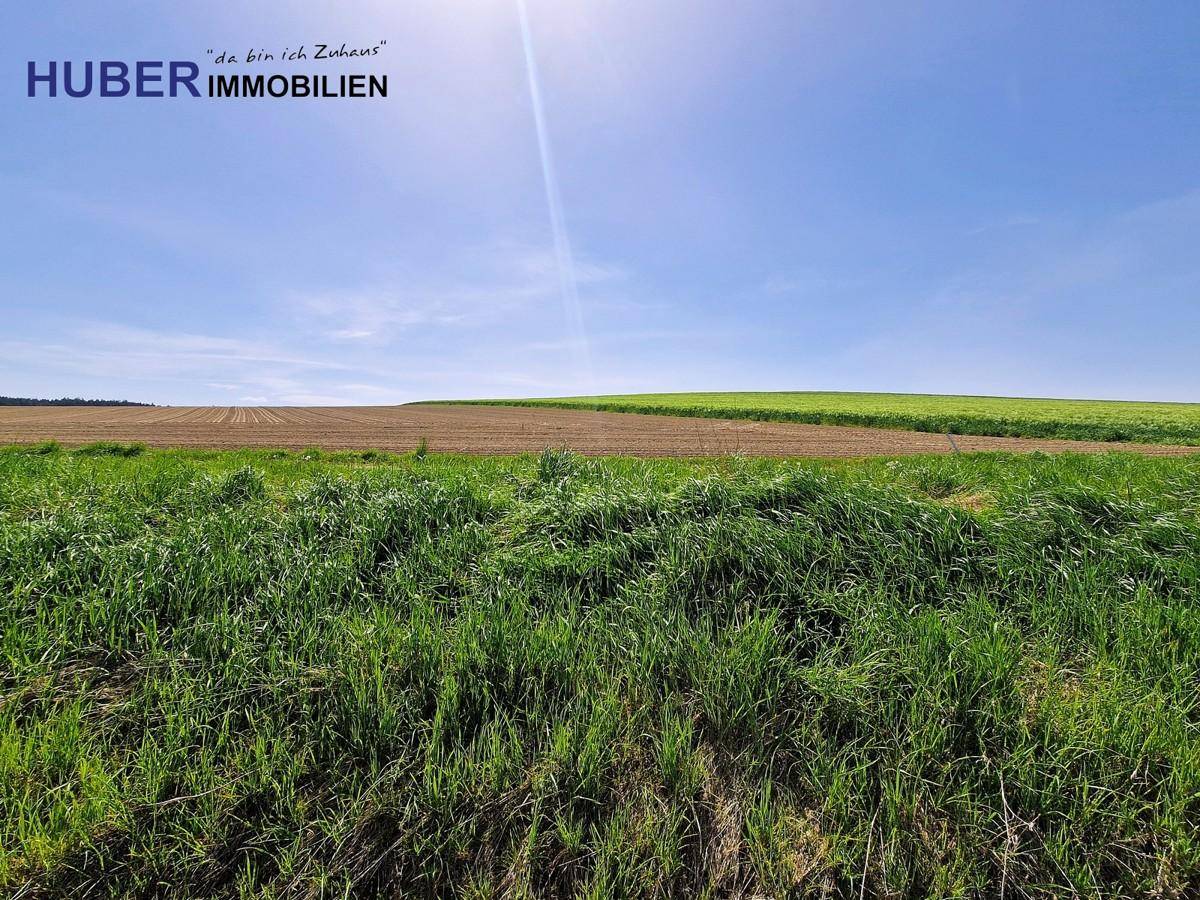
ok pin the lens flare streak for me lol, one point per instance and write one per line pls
(568, 284)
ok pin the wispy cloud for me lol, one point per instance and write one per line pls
(480, 287)
(1013, 221)
(1098, 309)
(90, 353)
(122, 347)
(193, 232)
(622, 338)
(810, 283)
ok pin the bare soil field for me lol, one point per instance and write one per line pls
(483, 430)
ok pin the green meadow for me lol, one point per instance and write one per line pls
(1091, 420)
(272, 674)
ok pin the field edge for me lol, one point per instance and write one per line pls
(981, 426)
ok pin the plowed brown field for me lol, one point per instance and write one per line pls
(481, 429)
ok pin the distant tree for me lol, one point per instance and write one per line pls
(66, 401)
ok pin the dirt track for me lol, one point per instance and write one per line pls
(483, 429)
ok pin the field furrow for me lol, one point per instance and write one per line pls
(496, 429)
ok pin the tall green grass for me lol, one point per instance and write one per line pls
(352, 675)
(1090, 420)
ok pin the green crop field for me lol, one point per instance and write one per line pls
(1093, 420)
(278, 674)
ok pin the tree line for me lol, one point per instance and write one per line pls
(66, 401)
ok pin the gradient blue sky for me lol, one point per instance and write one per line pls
(964, 198)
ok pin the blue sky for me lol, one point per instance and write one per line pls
(964, 198)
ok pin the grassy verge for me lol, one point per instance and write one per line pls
(302, 674)
(1084, 420)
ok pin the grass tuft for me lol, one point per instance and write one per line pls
(110, 448)
(43, 448)
(555, 465)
